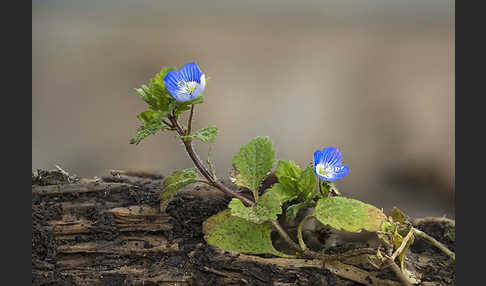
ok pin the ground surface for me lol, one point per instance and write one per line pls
(112, 232)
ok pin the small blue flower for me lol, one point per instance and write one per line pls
(185, 84)
(328, 164)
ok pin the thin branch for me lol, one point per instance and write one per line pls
(398, 272)
(189, 122)
(434, 242)
(168, 124)
(403, 244)
(425, 220)
(299, 232)
(202, 168)
(205, 182)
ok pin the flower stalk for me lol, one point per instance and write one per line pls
(200, 166)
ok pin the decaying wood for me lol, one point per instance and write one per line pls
(107, 232)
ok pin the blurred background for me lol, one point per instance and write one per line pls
(372, 78)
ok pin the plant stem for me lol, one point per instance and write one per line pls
(398, 272)
(212, 181)
(434, 242)
(189, 122)
(299, 232)
(202, 168)
(168, 124)
(403, 244)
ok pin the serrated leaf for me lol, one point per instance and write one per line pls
(236, 234)
(307, 182)
(287, 168)
(348, 214)
(174, 182)
(288, 174)
(152, 122)
(156, 94)
(293, 210)
(207, 134)
(146, 95)
(280, 193)
(254, 161)
(152, 117)
(144, 131)
(265, 209)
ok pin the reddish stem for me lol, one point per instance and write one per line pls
(202, 168)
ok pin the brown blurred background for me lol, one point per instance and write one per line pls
(373, 78)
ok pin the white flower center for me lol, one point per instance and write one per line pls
(187, 87)
(327, 170)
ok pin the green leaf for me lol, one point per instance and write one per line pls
(174, 182)
(207, 134)
(287, 168)
(281, 193)
(146, 94)
(151, 117)
(254, 161)
(307, 183)
(236, 234)
(144, 131)
(266, 208)
(288, 174)
(293, 210)
(152, 122)
(296, 181)
(184, 106)
(156, 94)
(348, 214)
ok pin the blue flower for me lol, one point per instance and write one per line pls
(328, 164)
(185, 84)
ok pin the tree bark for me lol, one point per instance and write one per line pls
(112, 232)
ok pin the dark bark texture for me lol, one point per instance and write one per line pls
(111, 231)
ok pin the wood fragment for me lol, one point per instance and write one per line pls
(78, 188)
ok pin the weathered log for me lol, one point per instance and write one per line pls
(102, 232)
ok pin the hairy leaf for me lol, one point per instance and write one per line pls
(281, 193)
(151, 117)
(174, 182)
(155, 94)
(253, 162)
(307, 182)
(348, 214)
(236, 234)
(144, 131)
(288, 174)
(152, 122)
(266, 208)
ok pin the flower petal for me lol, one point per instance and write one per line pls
(317, 158)
(182, 97)
(171, 80)
(344, 170)
(332, 156)
(191, 72)
(200, 87)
